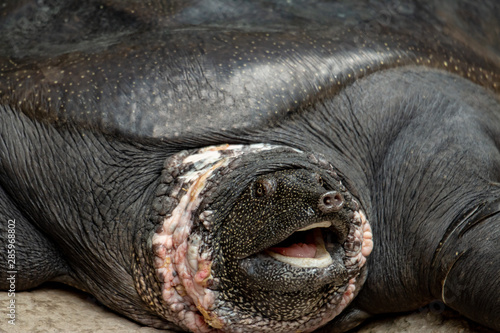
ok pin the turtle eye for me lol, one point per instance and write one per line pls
(264, 187)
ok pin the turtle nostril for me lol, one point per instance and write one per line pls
(331, 202)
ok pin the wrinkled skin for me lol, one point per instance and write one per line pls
(399, 99)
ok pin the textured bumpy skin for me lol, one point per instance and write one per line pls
(263, 166)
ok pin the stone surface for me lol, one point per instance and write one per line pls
(56, 308)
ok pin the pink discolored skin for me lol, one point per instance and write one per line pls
(182, 269)
(185, 270)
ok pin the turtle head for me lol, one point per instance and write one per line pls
(281, 245)
(259, 239)
(275, 205)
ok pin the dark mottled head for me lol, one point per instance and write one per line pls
(284, 238)
(274, 205)
(267, 261)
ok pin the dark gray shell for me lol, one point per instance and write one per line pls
(174, 69)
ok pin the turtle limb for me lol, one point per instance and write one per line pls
(467, 265)
(27, 258)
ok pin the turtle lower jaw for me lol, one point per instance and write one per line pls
(291, 265)
(272, 271)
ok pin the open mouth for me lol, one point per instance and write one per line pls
(308, 247)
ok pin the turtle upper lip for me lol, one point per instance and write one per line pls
(323, 224)
(337, 227)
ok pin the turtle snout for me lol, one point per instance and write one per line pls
(331, 202)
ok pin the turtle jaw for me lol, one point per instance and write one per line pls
(323, 241)
(332, 269)
(292, 268)
(322, 293)
(311, 253)
(312, 246)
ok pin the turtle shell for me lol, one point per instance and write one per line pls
(169, 70)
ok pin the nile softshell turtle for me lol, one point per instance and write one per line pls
(266, 166)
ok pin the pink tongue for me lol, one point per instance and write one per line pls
(299, 250)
